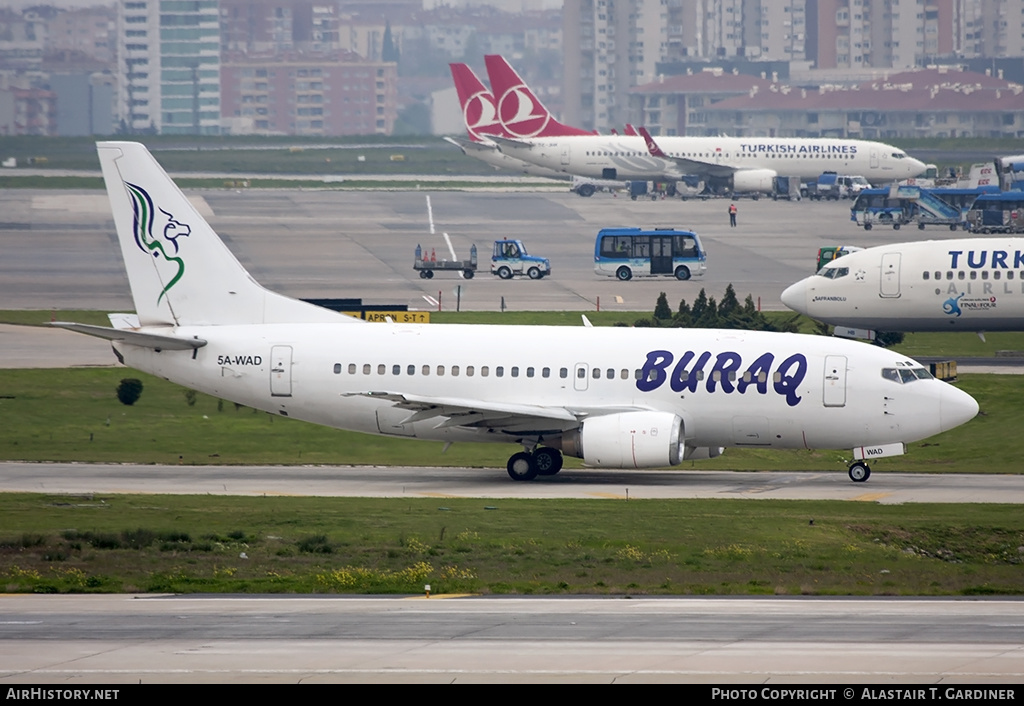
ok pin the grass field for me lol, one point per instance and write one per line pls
(222, 544)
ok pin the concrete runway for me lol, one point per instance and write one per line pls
(427, 482)
(72, 640)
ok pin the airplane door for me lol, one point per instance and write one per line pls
(890, 285)
(834, 384)
(874, 158)
(565, 156)
(581, 377)
(281, 371)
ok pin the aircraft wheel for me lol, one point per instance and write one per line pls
(895, 226)
(548, 461)
(521, 467)
(682, 273)
(623, 274)
(859, 472)
(953, 227)
(920, 226)
(504, 272)
(534, 273)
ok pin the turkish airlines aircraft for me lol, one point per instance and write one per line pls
(479, 114)
(974, 284)
(740, 164)
(615, 397)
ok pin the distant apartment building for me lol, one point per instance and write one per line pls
(89, 32)
(169, 66)
(308, 95)
(613, 45)
(28, 111)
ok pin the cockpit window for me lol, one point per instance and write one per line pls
(898, 155)
(834, 272)
(905, 375)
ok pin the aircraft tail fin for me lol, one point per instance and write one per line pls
(652, 146)
(179, 270)
(478, 108)
(520, 111)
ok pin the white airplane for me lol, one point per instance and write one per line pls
(974, 284)
(615, 397)
(740, 164)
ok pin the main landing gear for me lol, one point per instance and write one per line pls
(859, 472)
(544, 461)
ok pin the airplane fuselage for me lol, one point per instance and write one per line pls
(738, 389)
(628, 157)
(972, 284)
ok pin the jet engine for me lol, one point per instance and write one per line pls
(628, 440)
(759, 180)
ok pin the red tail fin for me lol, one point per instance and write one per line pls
(520, 111)
(652, 146)
(478, 109)
(630, 130)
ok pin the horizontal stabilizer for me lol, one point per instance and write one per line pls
(134, 338)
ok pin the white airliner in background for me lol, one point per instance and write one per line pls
(615, 397)
(741, 164)
(974, 284)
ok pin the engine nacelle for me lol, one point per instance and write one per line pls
(628, 440)
(760, 180)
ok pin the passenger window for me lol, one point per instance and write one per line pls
(610, 373)
(337, 368)
(485, 370)
(563, 373)
(545, 372)
(411, 369)
(938, 275)
(624, 374)
(949, 274)
(596, 373)
(926, 275)
(529, 372)
(440, 370)
(351, 368)
(974, 274)
(455, 371)
(984, 274)
(425, 370)
(381, 369)
(514, 371)
(499, 371)
(961, 275)
(469, 371)
(396, 370)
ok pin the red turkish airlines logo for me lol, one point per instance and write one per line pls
(520, 115)
(480, 115)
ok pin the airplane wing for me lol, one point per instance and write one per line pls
(506, 417)
(687, 165)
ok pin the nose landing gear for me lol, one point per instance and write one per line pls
(859, 472)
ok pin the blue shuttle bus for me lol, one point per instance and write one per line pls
(625, 253)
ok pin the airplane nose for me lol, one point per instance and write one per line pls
(917, 168)
(795, 296)
(956, 407)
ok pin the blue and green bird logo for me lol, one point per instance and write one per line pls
(166, 244)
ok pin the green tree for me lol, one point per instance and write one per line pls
(129, 391)
(662, 312)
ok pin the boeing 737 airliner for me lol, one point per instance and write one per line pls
(973, 284)
(615, 397)
(742, 164)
